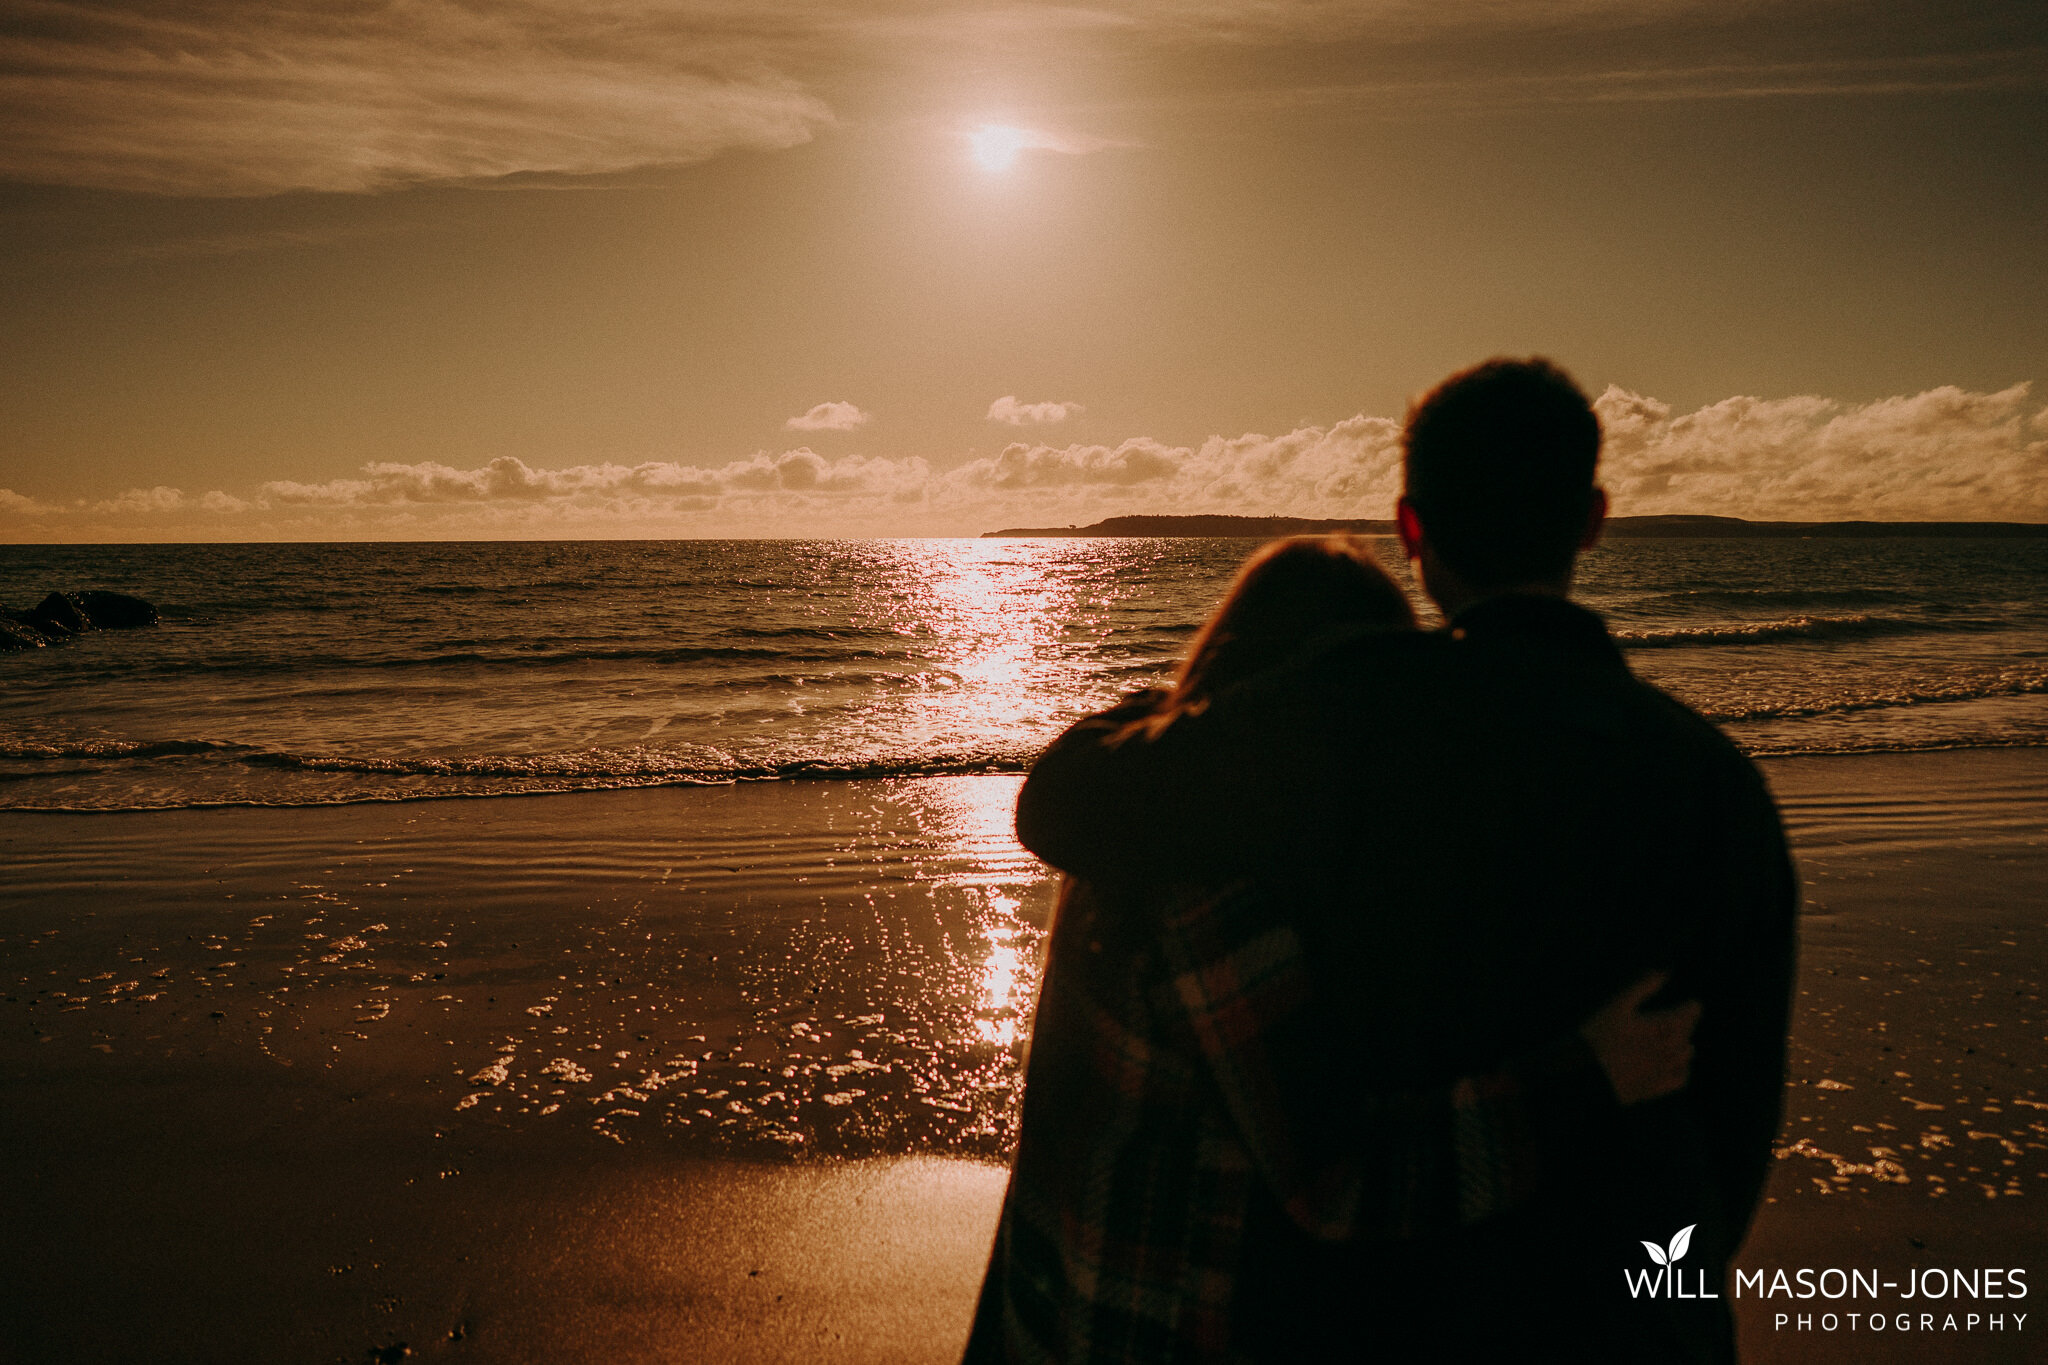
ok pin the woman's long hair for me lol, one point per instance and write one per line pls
(1289, 592)
(1286, 595)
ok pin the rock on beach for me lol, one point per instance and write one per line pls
(61, 615)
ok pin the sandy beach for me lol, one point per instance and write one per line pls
(1916, 1119)
(728, 1072)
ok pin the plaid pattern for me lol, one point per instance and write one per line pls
(1169, 1079)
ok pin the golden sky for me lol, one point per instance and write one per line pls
(422, 268)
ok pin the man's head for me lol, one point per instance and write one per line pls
(1498, 463)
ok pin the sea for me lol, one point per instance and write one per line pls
(291, 675)
(776, 964)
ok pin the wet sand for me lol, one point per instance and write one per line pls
(1916, 1121)
(679, 1074)
(727, 1073)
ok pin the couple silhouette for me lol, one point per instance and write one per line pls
(1404, 983)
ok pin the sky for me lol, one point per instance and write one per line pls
(425, 269)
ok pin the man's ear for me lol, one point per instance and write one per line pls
(1410, 527)
(1596, 518)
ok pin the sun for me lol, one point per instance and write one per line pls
(996, 145)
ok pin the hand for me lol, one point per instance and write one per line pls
(1647, 1054)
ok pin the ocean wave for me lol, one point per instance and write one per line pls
(1145, 653)
(1784, 599)
(817, 633)
(641, 764)
(1881, 701)
(692, 762)
(529, 654)
(816, 770)
(514, 588)
(210, 609)
(60, 750)
(1836, 749)
(1858, 627)
(246, 776)
(387, 780)
(1136, 668)
(777, 664)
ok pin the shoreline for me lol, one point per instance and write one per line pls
(191, 1179)
(1669, 526)
(875, 773)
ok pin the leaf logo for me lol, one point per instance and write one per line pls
(1680, 1240)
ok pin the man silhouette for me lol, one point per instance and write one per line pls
(1479, 835)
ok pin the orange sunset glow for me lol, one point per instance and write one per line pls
(521, 271)
(1107, 682)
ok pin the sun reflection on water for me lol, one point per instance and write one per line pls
(996, 612)
(1001, 617)
(970, 818)
(972, 821)
(1008, 967)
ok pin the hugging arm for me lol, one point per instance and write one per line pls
(1112, 788)
(1137, 791)
(1431, 1162)
(1392, 1165)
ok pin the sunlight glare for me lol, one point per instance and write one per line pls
(975, 819)
(1007, 968)
(996, 605)
(996, 145)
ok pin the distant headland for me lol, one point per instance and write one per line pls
(1640, 528)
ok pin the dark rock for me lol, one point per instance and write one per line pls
(62, 615)
(15, 634)
(58, 615)
(115, 610)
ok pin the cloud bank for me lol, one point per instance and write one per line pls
(1945, 454)
(1942, 455)
(829, 417)
(1008, 410)
(595, 488)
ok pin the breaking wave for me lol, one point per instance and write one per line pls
(1799, 628)
(2027, 686)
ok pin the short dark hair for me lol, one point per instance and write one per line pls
(1285, 595)
(1498, 461)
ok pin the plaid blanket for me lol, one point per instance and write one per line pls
(1172, 1080)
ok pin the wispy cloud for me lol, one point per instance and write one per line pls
(1666, 81)
(996, 146)
(217, 97)
(211, 97)
(1013, 413)
(208, 245)
(1409, 54)
(829, 417)
(1945, 454)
